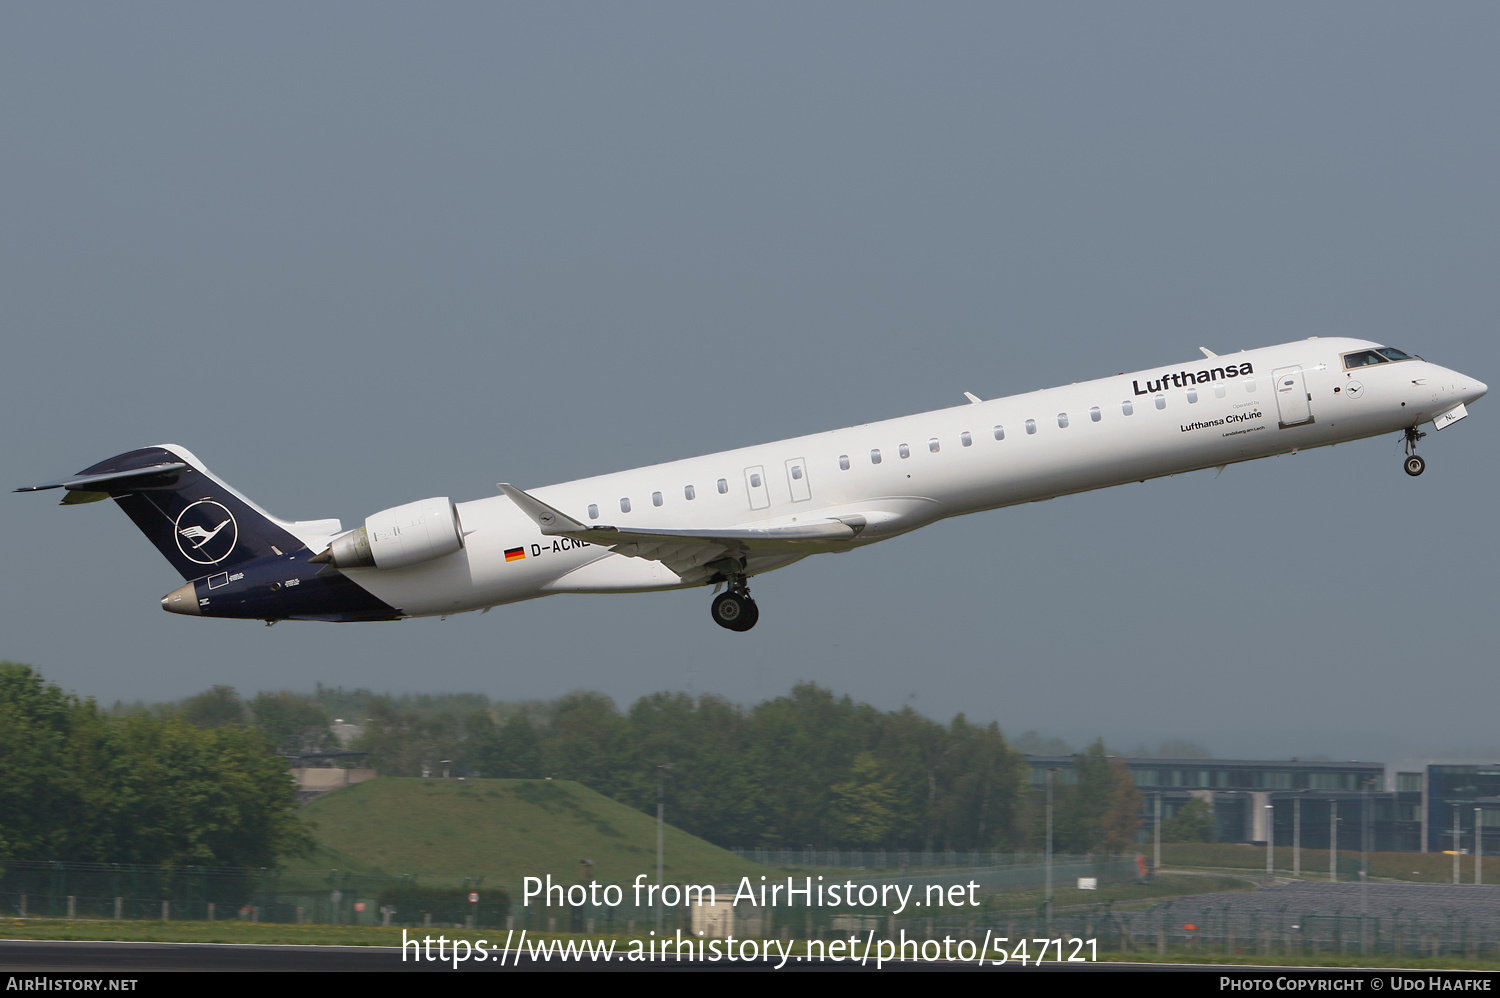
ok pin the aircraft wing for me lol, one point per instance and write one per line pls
(685, 550)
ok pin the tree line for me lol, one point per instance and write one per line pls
(203, 780)
(84, 785)
(805, 769)
(808, 768)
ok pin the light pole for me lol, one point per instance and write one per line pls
(1270, 843)
(1455, 843)
(661, 776)
(1156, 859)
(1478, 849)
(1364, 867)
(1297, 837)
(1050, 774)
(1333, 840)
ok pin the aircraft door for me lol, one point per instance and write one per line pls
(1291, 396)
(796, 480)
(755, 485)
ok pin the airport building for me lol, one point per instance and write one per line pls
(1411, 806)
(1452, 795)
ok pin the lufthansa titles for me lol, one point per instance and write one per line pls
(1182, 379)
(1233, 417)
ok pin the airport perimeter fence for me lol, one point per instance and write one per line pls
(1205, 932)
(1301, 918)
(892, 859)
(103, 891)
(897, 859)
(1298, 919)
(801, 908)
(97, 891)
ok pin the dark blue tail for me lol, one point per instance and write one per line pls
(198, 523)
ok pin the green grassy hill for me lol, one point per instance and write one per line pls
(503, 830)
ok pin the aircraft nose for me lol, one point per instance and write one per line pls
(1475, 389)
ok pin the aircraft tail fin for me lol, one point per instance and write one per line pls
(198, 523)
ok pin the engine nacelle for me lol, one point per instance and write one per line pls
(399, 536)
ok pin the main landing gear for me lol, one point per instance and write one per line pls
(1414, 465)
(735, 609)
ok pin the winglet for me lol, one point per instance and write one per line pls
(1208, 353)
(973, 399)
(550, 521)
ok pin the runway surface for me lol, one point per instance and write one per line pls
(125, 958)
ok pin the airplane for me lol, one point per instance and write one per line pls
(724, 518)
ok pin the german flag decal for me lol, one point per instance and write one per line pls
(515, 554)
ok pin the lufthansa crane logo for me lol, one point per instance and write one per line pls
(206, 532)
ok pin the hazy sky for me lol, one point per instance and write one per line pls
(358, 254)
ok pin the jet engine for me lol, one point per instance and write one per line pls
(398, 537)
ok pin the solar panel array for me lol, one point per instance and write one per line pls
(1427, 902)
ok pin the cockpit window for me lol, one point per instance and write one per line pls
(1362, 358)
(1391, 353)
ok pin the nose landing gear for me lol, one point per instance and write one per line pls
(735, 609)
(1414, 465)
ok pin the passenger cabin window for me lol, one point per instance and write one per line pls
(1192, 396)
(624, 505)
(933, 445)
(1127, 407)
(1161, 401)
(1062, 420)
(1031, 426)
(843, 462)
(1095, 414)
(1218, 391)
(965, 439)
(688, 492)
(904, 450)
(593, 511)
(1250, 385)
(875, 455)
(723, 486)
(656, 498)
(999, 433)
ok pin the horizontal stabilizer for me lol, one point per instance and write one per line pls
(74, 497)
(157, 476)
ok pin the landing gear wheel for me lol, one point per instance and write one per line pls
(734, 611)
(752, 613)
(1414, 465)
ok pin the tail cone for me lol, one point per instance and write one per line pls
(183, 599)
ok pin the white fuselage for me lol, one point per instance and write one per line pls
(900, 474)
